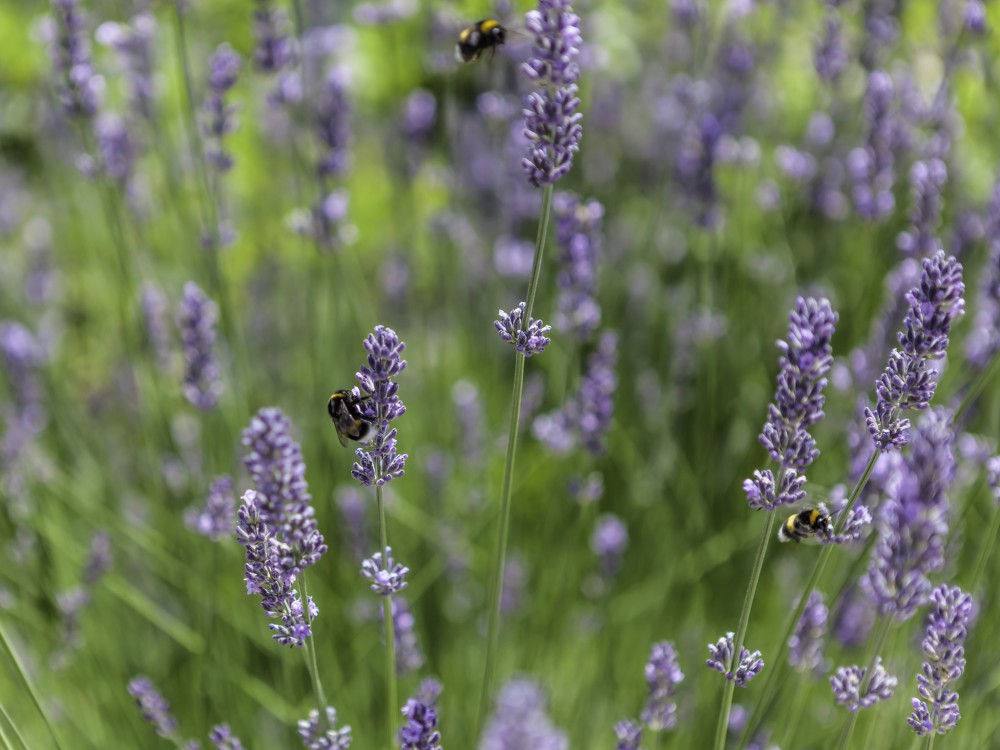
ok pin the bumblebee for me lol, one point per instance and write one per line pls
(349, 417)
(807, 525)
(483, 35)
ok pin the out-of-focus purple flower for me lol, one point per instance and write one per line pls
(154, 313)
(386, 579)
(223, 738)
(99, 559)
(264, 576)
(587, 489)
(983, 341)
(857, 521)
(325, 737)
(871, 166)
(609, 541)
(513, 257)
(419, 116)
(378, 462)
(798, 166)
(531, 340)
(520, 721)
(974, 17)
(333, 123)
(805, 646)
(853, 619)
(218, 517)
(515, 582)
(830, 56)
(409, 657)
(220, 116)
(353, 511)
(275, 464)
(927, 178)
(420, 731)
(578, 237)
(696, 159)
(944, 647)
(663, 674)
(78, 85)
(274, 50)
(469, 412)
(993, 477)
(846, 684)
(155, 710)
(909, 381)
(629, 734)
(384, 12)
(721, 660)
(687, 13)
(551, 120)
(196, 317)
(913, 522)
(133, 43)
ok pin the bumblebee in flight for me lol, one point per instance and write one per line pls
(810, 524)
(474, 40)
(349, 417)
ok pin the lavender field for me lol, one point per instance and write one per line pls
(640, 369)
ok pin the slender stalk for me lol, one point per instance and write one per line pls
(311, 663)
(852, 720)
(392, 697)
(984, 554)
(930, 740)
(19, 668)
(985, 375)
(779, 661)
(741, 629)
(503, 525)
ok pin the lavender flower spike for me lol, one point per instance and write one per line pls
(315, 738)
(520, 721)
(420, 731)
(219, 115)
(846, 684)
(218, 517)
(908, 381)
(663, 674)
(551, 122)
(386, 579)
(223, 738)
(155, 710)
(944, 647)
(196, 318)
(629, 734)
(805, 646)
(378, 462)
(721, 660)
(532, 340)
(78, 86)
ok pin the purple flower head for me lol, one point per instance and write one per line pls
(974, 17)
(378, 462)
(831, 57)
(927, 179)
(409, 657)
(696, 158)
(520, 721)
(805, 646)
(629, 734)
(333, 123)
(420, 730)
(609, 541)
(419, 116)
(760, 490)
(663, 674)
(578, 237)
(275, 464)
(913, 522)
(909, 381)
(531, 340)
(219, 116)
(721, 660)
(223, 738)
(857, 521)
(117, 151)
(353, 512)
(846, 683)
(274, 50)
(937, 708)
(196, 318)
(871, 166)
(265, 575)
(217, 518)
(155, 315)
(155, 710)
(78, 86)
(983, 341)
(386, 579)
(317, 735)
(551, 121)
(133, 44)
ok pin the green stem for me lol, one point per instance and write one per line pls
(392, 697)
(985, 375)
(722, 725)
(12, 655)
(779, 661)
(311, 663)
(984, 555)
(883, 630)
(930, 740)
(503, 526)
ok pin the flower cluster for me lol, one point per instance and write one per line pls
(378, 462)
(847, 681)
(608, 542)
(578, 237)
(274, 50)
(520, 721)
(993, 477)
(927, 178)
(326, 738)
(220, 119)
(721, 660)
(830, 57)
(409, 657)
(531, 340)
(913, 522)
(909, 381)
(217, 518)
(155, 709)
(133, 44)
(983, 341)
(117, 151)
(663, 674)
(196, 318)
(420, 731)
(805, 645)
(78, 86)
(223, 738)
(333, 123)
(871, 166)
(859, 519)
(551, 121)
(629, 734)
(944, 648)
(386, 578)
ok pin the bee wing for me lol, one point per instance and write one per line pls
(341, 438)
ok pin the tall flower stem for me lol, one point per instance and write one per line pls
(32, 693)
(852, 720)
(779, 660)
(311, 663)
(503, 525)
(741, 629)
(391, 692)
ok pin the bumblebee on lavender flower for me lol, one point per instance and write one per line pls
(808, 525)
(349, 418)
(474, 40)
